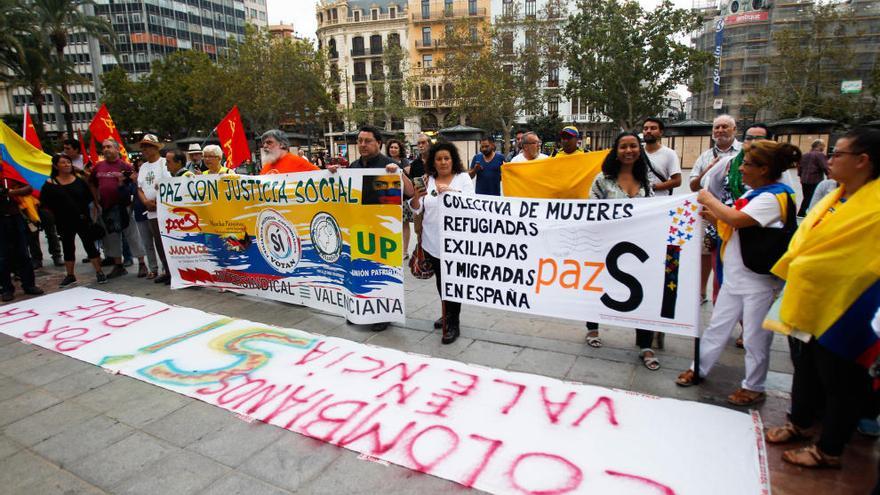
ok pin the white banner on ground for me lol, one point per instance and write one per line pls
(499, 431)
(632, 262)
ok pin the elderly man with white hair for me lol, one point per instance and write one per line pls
(276, 156)
(531, 149)
(724, 145)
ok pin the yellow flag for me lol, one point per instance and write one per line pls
(563, 176)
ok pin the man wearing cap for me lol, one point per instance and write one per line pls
(486, 167)
(148, 177)
(568, 137)
(194, 157)
(664, 167)
(277, 158)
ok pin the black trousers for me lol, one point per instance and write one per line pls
(47, 224)
(14, 252)
(68, 238)
(827, 385)
(644, 338)
(808, 189)
(452, 309)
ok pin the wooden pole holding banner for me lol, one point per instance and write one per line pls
(697, 378)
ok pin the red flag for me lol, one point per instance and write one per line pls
(82, 145)
(230, 130)
(29, 132)
(93, 153)
(102, 127)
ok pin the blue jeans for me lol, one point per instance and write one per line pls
(14, 252)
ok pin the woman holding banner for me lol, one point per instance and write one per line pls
(754, 233)
(829, 307)
(445, 174)
(625, 175)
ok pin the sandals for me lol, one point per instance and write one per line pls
(142, 271)
(744, 397)
(593, 339)
(150, 275)
(786, 433)
(651, 362)
(811, 457)
(685, 379)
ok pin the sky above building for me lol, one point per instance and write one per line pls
(301, 13)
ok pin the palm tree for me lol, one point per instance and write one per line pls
(58, 19)
(27, 67)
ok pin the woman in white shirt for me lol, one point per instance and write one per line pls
(746, 295)
(445, 174)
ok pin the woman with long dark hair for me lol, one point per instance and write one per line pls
(625, 175)
(68, 197)
(445, 174)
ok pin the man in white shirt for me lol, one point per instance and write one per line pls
(531, 149)
(71, 149)
(665, 167)
(149, 174)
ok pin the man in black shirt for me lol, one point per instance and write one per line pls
(369, 143)
(13, 240)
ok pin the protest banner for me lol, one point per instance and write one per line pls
(495, 430)
(633, 262)
(327, 241)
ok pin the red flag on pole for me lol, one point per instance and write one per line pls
(230, 130)
(102, 127)
(82, 145)
(29, 132)
(93, 153)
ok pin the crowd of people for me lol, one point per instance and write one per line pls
(750, 216)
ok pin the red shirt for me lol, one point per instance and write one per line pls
(287, 164)
(108, 185)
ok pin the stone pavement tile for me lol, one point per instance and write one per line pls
(661, 383)
(552, 364)
(20, 406)
(57, 482)
(122, 460)
(489, 354)
(50, 372)
(8, 447)
(431, 345)
(10, 387)
(354, 333)
(37, 427)
(291, 462)
(778, 381)
(148, 406)
(17, 348)
(351, 475)
(236, 483)
(6, 339)
(82, 440)
(118, 390)
(780, 361)
(236, 442)
(78, 383)
(402, 339)
(190, 423)
(29, 360)
(516, 323)
(22, 469)
(594, 371)
(181, 473)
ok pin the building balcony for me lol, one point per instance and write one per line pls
(366, 52)
(427, 44)
(443, 14)
(359, 78)
(377, 76)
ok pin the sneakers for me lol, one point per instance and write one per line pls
(117, 271)
(70, 279)
(33, 291)
(869, 427)
(101, 277)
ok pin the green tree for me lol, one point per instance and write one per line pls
(124, 98)
(492, 84)
(623, 60)
(804, 73)
(28, 69)
(58, 19)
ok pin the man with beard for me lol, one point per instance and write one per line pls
(664, 168)
(276, 157)
(486, 167)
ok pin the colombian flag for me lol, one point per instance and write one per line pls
(832, 275)
(560, 177)
(21, 161)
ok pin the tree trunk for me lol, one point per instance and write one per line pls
(38, 99)
(65, 96)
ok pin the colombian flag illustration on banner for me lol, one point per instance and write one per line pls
(21, 161)
(102, 127)
(832, 275)
(29, 132)
(230, 130)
